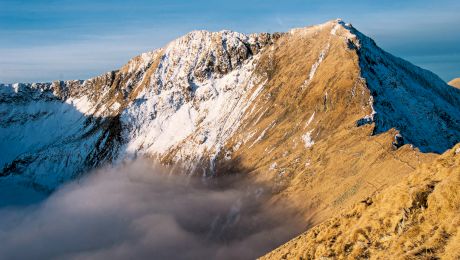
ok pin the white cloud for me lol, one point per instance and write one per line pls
(141, 212)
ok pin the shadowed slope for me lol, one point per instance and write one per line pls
(414, 101)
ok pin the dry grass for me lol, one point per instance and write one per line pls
(346, 163)
(416, 219)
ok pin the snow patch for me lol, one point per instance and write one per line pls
(310, 120)
(308, 141)
(262, 134)
(315, 65)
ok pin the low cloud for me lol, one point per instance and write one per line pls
(140, 211)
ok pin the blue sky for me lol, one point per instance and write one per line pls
(44, 40)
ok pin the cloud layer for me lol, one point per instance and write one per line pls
(141, 212)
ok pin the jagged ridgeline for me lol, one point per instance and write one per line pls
(159, 100)
(320, 113)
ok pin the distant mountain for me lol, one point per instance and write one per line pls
(321, 114)
(455, 82)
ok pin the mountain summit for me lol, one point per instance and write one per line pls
(455, 82)
(321, 113)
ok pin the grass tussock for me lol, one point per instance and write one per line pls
(416, 219)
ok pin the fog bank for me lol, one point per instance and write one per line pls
(139, 211)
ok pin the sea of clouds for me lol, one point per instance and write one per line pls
(141, 211)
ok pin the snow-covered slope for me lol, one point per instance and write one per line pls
(44, 137)
(415, 101)
(211, 99)
(202, 87)
(52, 132)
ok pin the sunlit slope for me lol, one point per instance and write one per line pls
(455, 82)
(320, 114)
(417, 218)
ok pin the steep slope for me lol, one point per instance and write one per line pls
(44, 131)
(53, 132)
(198, 94)
(410, 99)
(455, 83)
(416, 219)
(320, 113)
(305, 135)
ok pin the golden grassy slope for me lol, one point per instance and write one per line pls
(416, 219)
(346, 163)
(455, 83)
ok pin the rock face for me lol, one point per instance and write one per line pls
(313, 112)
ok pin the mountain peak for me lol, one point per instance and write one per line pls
(455, 83)
(321, 115)
(209, 98)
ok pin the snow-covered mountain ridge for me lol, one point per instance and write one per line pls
(54, 131)
(214, 102)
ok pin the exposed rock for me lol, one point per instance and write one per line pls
(398, 142)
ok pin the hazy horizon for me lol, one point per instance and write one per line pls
(50, 40)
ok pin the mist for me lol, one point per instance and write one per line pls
(141, 211)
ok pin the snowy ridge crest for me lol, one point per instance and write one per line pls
(184, 102)
(135, 110)
(415, 101)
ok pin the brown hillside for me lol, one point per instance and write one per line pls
(416, 219)
(346, 163)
